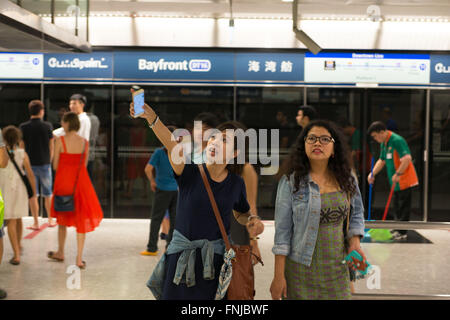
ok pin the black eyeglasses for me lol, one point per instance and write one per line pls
(311, 139)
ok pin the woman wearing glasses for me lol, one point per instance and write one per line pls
(313, 201)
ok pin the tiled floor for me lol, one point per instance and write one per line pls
(115, 270)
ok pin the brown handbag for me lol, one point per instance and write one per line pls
(242, 285)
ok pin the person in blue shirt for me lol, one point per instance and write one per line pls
(165, 187)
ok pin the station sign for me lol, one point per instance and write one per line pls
(21, 65)
(98, 65)
(390, 68)
(269, 66)
(244, 67)
(173, 66)
(440, 68)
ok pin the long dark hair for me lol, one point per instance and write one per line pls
(339, 165)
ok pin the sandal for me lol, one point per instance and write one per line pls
(82, 267)
(51, 254)
(14, 262)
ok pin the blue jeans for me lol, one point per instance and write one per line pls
(43, 177)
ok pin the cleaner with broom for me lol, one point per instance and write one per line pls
(402, 176)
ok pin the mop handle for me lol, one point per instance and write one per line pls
(370, 190)
(389, 201)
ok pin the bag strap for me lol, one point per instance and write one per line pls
(22, 176)
(214, 206)
(79, 169)
(64, 144)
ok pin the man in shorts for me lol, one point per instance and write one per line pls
(38, 143)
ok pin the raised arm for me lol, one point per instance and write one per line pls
(174, 150)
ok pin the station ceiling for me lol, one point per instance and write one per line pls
(271, 8)
(17, 36)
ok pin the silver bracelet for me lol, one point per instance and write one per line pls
(250, 217)
(154, 122)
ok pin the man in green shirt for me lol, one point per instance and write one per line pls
(395, 154)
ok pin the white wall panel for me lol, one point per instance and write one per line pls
(265, 33)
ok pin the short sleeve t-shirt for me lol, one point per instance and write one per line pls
(85, 127)
(164, 174)
(36, 136)
(391, 152)
(195, 216)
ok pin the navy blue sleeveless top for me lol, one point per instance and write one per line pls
(195, 216)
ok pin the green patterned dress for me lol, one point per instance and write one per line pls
(326, 278)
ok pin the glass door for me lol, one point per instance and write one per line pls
(403, 112)
(439, 172)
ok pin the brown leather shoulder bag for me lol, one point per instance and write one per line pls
(242, 285)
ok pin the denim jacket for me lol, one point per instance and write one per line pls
(297, 218)
(186, 262)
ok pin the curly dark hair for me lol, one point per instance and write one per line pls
(339, 165)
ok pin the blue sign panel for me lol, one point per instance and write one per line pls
(97, 65)
(440, 68)
(174, 65)
(269, 66)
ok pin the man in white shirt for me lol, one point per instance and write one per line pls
(77, 104)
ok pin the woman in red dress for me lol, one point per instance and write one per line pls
(68, 165)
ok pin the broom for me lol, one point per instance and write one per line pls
(367, 237)
(383, 235)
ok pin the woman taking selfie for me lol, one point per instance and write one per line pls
(312, 205)
(194, 258)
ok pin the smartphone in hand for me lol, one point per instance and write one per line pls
(138, 100)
